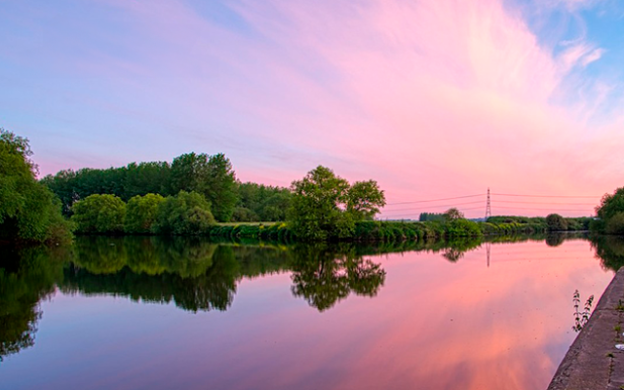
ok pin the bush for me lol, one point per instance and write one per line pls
(556, 223)
(141, 213)
(187, 213)
(99, 214)
(463, 228)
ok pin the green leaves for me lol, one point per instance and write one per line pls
(99, 214)
(556, 223)
(141, 213)
(324, 205)
(611, 214)
(211, 176)
(27, 208)
(187, 213)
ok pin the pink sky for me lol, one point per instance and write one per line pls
(430, 98)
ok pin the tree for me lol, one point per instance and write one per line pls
(431, 217)
(258, 202)
(211, 176)
(453, 214)
(219, 187)
(364, 199)
(609, 212)
(28, 210)
(99, 214)
(187, 213)
(556, 223)
(141, 213)
(324, 205)
(187, 171)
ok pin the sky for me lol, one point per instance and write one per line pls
(433, 99)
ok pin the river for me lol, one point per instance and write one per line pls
(147, 313)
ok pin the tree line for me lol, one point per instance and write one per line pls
(210, 176)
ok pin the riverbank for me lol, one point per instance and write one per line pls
(382, 231)
(593, 362)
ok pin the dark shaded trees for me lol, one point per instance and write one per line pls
(258, 202)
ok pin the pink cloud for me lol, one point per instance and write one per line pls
(431, 98)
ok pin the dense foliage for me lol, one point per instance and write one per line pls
(610, 213)
(99, 214)
(28, 210)
(431, 217)
(187, 213)
(211, 176)
(325, 206)
(258, 202)
(141, 213)
(556, 223)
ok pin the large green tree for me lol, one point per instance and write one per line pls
(325, 206)
(211, 176)
(28, 210)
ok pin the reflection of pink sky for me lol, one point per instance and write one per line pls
(433, 325)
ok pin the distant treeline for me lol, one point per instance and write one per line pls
(211, 176)
(552, 223)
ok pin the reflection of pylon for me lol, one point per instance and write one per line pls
(488, 206)
(487, 249)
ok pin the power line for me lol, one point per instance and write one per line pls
(435, 200)
(436, 206)
(578, 204)
(413, 214)
(536, 208)
(548, 196)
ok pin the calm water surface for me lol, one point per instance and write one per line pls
(147, 314)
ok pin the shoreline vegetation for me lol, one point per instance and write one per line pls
(199, 195)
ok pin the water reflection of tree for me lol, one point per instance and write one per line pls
(456, 248)
(26, 277)
(555, 239)
(192, 273)
(195, 275)
(325, 275)
(610, 250)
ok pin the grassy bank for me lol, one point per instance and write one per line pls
(390, 231)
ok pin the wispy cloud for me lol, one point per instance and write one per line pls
(429, 97)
